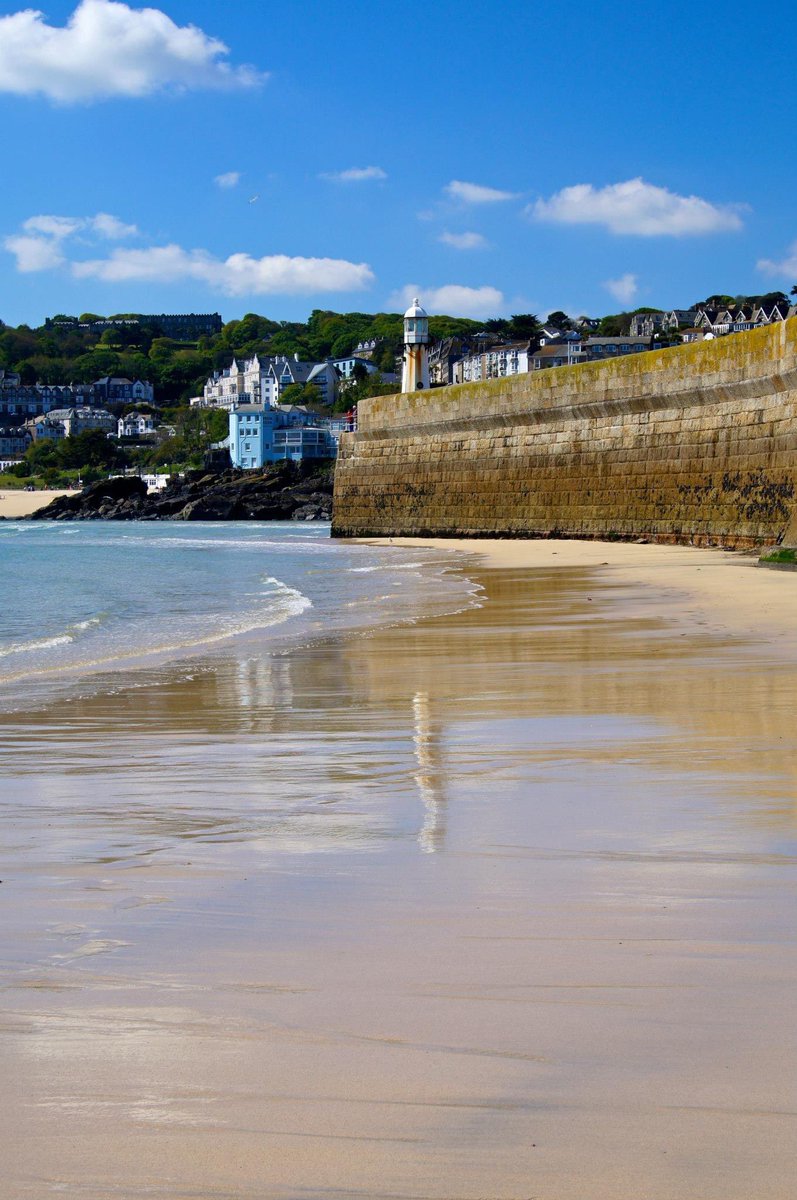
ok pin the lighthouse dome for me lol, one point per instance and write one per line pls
(415, 310)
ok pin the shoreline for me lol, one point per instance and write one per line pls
(741, 598)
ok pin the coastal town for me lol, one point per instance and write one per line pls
(264, 408)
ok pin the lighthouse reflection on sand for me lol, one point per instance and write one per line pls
(415, 371)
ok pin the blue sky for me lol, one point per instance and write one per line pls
(497, 157)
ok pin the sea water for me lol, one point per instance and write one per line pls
(83, 599)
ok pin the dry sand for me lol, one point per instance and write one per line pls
(498, 905)
(16, 504)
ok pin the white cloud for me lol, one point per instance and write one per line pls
(463, 241)
(229, 179)
(34, 253)
(102, 224)
(786, 267)
(453, 299)
(623, 289)
(40, 246)
(111, 227)
(354, 175)
(54, 227)
(237, 275)
(636, 207)
(109, 49)
(475, 193)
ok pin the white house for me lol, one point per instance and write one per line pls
(498, 362)
(135, 425)
(345, 366)
(263, 380)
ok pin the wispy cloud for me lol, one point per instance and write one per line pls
(785, 267)
(637, 207)
(108, 49)
(463, 241)
(49, 242)
(354, 175)
(453, 299)
(623, 289)
(230, 179)
(476, 193)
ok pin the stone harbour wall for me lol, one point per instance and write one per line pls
(696, 444)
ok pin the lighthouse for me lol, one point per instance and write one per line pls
(415, 373)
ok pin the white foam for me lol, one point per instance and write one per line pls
(62, 639)
(387, 566)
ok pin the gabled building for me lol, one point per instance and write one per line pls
(646, 324)
(679, 318)
(118, 389)
(44, 428)
(224, 389)
(14, 441)
(80, 420)
(262, 380)
(20, 402)
(325, 378)
(366, 349)
(135, 425)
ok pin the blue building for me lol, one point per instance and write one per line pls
(260, 435)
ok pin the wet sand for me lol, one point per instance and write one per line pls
(496, 905)
(16, 504)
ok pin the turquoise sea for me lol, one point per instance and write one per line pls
(80, 600)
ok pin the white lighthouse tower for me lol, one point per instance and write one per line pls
(415, 373)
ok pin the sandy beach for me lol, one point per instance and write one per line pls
(738, 595)
(498, 904)
(16, 504)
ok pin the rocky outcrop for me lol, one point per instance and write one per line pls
(283, 492)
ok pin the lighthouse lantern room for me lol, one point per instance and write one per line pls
(415, 372)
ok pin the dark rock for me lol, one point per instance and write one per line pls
(215, 506)
(279, 493)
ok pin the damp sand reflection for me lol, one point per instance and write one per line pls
(498, 904)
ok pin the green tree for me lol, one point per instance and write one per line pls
(523, 327)
(88, 449)
(559, 319)
(301, 393)
(40, 454)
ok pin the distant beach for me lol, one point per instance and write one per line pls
(16, 504)
(496, 901)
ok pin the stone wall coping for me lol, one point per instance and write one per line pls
(742, 365)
